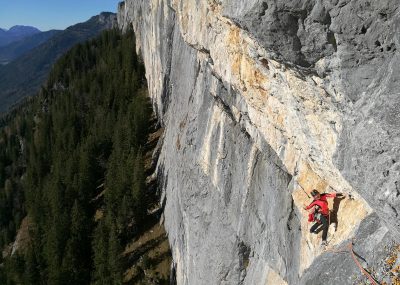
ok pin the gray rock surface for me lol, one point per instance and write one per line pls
(261, 101)
(339, 268)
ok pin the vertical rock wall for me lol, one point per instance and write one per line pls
(262, 101)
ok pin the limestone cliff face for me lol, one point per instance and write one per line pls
(262, 101)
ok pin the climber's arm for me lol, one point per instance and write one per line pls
(309, 206)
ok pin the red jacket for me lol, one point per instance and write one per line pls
(322, 203)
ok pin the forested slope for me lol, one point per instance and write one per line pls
(71, 161)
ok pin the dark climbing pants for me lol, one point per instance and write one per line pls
(325, 227)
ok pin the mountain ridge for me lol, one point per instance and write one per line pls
(18, 29)
(24, 75)
(16, 33)
(22, 46)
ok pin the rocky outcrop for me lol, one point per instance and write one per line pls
(262, 101)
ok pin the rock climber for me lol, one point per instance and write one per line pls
(320, 214)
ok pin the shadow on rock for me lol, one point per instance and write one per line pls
(334, 211)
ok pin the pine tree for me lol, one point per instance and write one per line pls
(114, 257)
(32, 270)
(101, 274)
(85, 128)
(138, 188)
(77, 258)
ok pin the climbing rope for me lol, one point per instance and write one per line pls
(359, 265)
(350, 249)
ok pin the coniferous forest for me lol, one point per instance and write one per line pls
(71, 168)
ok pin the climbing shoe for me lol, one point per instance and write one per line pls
(324, 244)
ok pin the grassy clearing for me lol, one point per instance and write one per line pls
(149, 256)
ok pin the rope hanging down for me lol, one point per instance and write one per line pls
(350, 249)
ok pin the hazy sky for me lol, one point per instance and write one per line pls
(51, 14)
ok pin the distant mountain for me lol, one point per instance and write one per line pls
(16, 33)
(24, 76)
(21, 47)
(23, 31)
